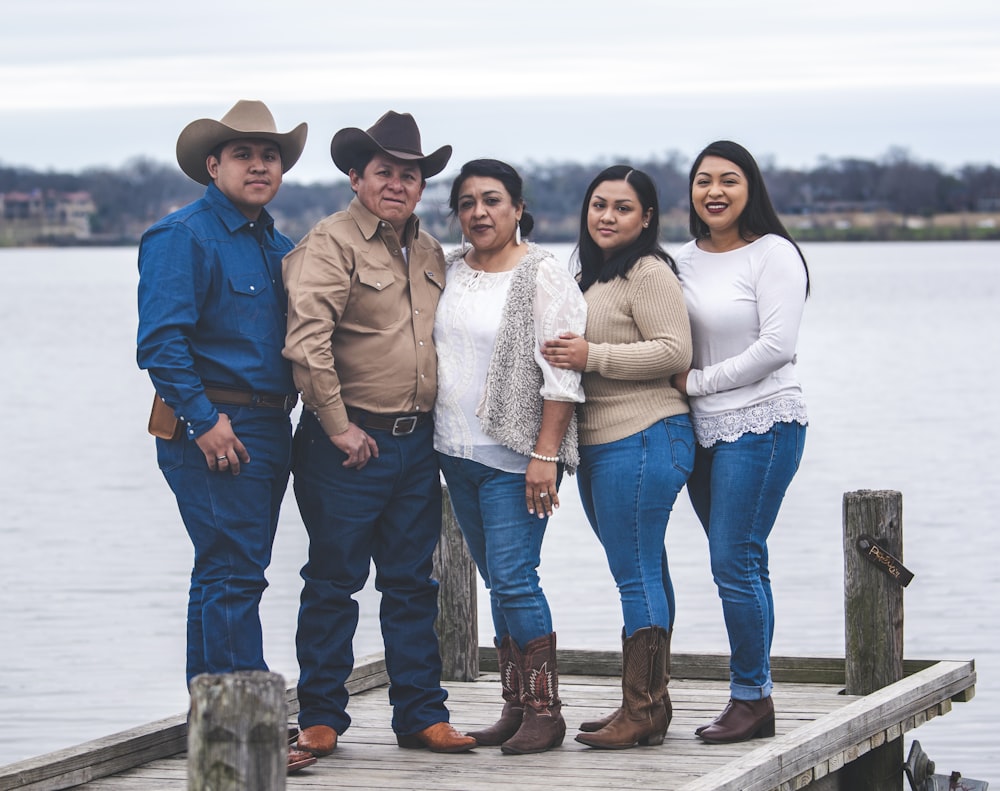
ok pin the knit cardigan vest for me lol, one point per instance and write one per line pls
(512, 400)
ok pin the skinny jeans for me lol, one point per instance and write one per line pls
(505, 541)
(736, 490)
(628, 488)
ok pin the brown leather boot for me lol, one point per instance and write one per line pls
(741, 720)
(642, 718)
(509, 661)
(542, 724)
(590, 726)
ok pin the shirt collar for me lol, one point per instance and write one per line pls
(369, 223)
(232, 217)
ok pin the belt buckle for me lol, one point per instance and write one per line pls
(289, 402)
(402, 426)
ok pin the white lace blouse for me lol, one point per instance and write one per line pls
(465, 328)
(745, 307)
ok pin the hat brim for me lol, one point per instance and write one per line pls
(349, 144)
(199, 138)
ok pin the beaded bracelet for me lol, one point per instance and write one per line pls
(540, 457)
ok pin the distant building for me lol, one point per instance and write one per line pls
(45, 216)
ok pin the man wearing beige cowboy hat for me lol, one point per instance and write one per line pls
(211, 328)
(363, 286)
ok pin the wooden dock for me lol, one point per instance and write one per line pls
(826, 740)
(819, 731)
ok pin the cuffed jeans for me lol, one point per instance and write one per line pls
(628, 488)
(505, 541)
(736, 490)
(231, 520)
(388, 512)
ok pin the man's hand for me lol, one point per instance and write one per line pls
(358, 446)
(222, 448)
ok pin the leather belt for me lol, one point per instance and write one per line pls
(224, 395)
(399, 425)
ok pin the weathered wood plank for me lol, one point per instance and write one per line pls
(457, 624)
(715, 667)
(846, 730)
(136, 746)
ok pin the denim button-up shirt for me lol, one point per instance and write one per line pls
(212, 307)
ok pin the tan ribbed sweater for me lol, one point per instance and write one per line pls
(638, 336)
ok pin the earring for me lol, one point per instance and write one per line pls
(645, 225)
(465, 244)
(517, 233)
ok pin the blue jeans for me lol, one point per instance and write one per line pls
(736, 490)
(231, 521)
(388, 512)
(628, 488)
(505, 541)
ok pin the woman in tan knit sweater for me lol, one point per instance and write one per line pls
(636, 439)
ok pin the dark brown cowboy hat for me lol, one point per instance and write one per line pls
(395, 134)
(246, 119)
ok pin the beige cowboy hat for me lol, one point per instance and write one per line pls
(247, 118)
(395, 134)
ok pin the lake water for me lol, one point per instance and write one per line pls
(898, 357)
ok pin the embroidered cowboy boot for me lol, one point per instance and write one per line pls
(590, 726)
(509, 662)
(542, 724)
(642, 718)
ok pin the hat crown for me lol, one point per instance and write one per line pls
(397, 132)
(249, 115)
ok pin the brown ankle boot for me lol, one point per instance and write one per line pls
(739, 721)
(542, 725)
(590, 726)
(642, 718)
(509, 662)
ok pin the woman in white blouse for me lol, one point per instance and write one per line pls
(745, 283)
(505, 429)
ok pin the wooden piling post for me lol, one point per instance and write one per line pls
(873, 620)
(238, 732)
(457, 624)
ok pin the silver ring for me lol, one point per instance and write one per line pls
(543, 494)
(221, 458)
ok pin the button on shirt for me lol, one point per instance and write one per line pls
(212, 306)
(361, 307)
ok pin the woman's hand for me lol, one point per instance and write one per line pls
(540, 488)
(568, 351)
(680, 381)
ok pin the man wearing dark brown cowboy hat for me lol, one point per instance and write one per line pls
(363, 286)
(211, 328)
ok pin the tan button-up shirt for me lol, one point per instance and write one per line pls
(361, 308)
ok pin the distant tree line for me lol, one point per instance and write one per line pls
(132, 197)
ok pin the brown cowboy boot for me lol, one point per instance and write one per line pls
(642, 718)
(509, 662)
(590, 726)
(542, 726)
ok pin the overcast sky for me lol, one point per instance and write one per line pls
(101, 82)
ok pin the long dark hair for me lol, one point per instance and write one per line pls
(502, 172)
(593, 267)
(758, 217)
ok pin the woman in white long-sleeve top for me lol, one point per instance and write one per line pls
(745, 283)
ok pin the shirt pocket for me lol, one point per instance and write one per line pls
(382, 302)
(252, 306)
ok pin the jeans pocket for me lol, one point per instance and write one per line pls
(682, 442)
(170, 453)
